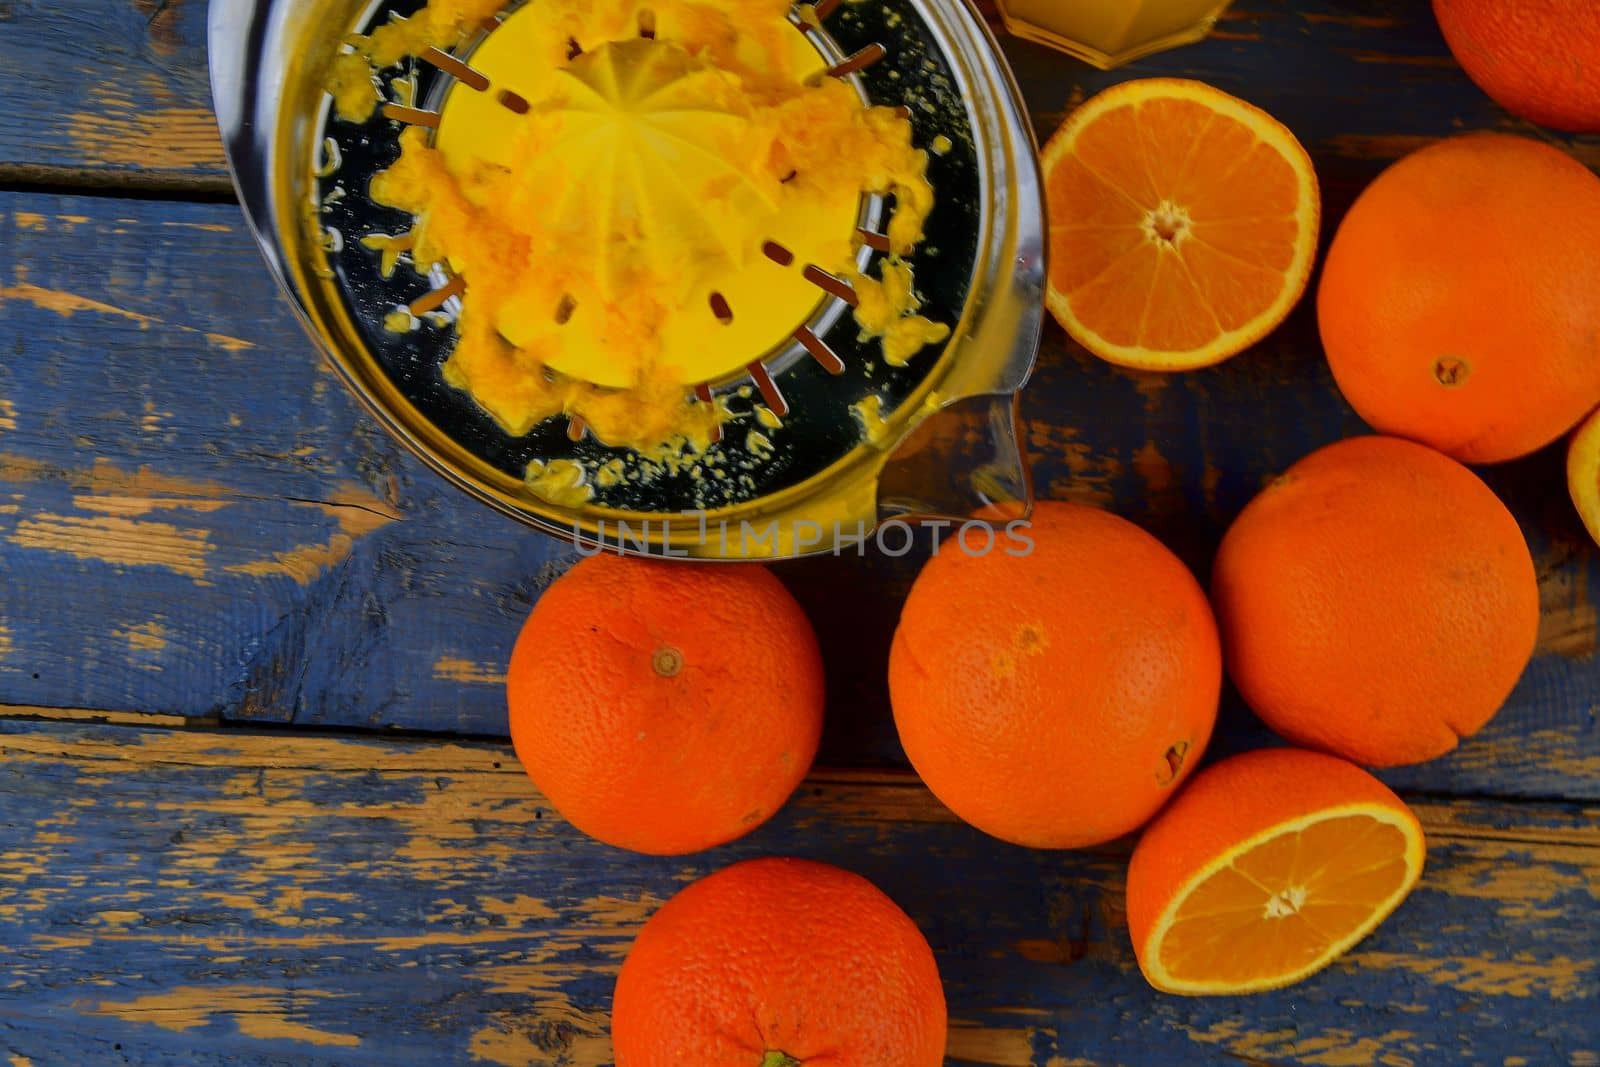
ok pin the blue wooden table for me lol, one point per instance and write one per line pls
(255, 802)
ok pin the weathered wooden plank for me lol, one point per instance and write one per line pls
(195, 518)
(108, 91)
(115, 91)
(174, 896)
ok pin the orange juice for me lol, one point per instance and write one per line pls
(1108, 33)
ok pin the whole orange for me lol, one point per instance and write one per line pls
(666, 707)
(1377, 601)
(1539, 59)
(779, 963)
(1055, 699)
(1460, 303)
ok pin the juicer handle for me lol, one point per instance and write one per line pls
(964, 461)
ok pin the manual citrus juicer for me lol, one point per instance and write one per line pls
(858, 442)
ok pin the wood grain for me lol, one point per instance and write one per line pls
(224, 897)
(187, 490)
(108, 92)
(115, 92)
(195, 519)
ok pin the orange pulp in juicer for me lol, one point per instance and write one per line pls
(613, 198)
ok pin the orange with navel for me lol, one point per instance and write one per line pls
(1377, 601)
(1183, 224)
(1265, 869)
(666, 707)
(1460, 302)
(1055, 699)
(779, 963)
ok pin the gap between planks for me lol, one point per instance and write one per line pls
(883, 794)
(28, 712)
(121, 184)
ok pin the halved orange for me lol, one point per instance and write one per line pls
(1583, 473)
(1266, 869)
(1183, 224)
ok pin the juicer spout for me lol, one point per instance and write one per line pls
(967, 460)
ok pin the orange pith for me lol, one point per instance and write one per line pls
(1267, 869)
(1183, 224)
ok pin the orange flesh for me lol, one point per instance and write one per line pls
(1286, 904)
(1181, 229)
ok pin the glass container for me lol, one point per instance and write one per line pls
(1109, 33)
